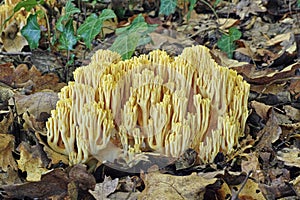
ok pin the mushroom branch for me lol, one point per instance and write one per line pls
(150, 103)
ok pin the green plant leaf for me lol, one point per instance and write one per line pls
(167, 7)
(70, 9)
(144, 40)
(59, 25)
(226, 42)
(138, 25)
(27, 4)
(132, 36)
(191, 8)
(125, 45)
(67, 39)
(234, 33)
(107, 14)
(217, 3)
(32, 31)
(89, 29)
(93, 25)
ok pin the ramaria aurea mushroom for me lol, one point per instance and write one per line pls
(149, 103)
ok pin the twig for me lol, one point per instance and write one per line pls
(235, 195)
(15, 53)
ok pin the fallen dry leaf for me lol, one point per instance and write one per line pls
(261, 109)
(54, 156)
(173, 42)
(278, 39)
(245, 7)
(11, 176)
(102, 190)
(250, 191)
(296, 184)
(292, 113)
(52, 184)
(5, 93)
(34, 79)
(252, 165)
(12, 39)
(226, 23)
(6, 149)
(6, 122)
(166, 186)
(7, 73)
(290, 156)
(269, 134)
(36, 103)
(223, 60)
(267, 76)
(32, 161)
(30, 79)
(277, 191)
(294, 88)
(109, 27)
(7, 10)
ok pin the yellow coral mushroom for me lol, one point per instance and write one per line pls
(149, 103)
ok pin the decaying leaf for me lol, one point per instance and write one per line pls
(6, 10)
(102, 190)
(238, 186)
(251, 190)
(279, 38)
(290, 156)
(294, 88)
(54, 156)
(6, 149)
(296, 184)
(53, 185)
(269, 134)
(223, 60)
(9, 177)
(80, 180)
(267, 76)
(31, 161)
(36, 124)
(39, 82)
(6, 123)
(292, 113)
(277, 191)
(226, 23)
(36, 103)
(5, 93)
(245, 7)
(173, 43)
(29, 79)
(252, 166)
(7, 73)
(174, 187)
(261, 109)
(12, 40)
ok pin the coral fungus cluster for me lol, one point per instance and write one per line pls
(149, 103)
